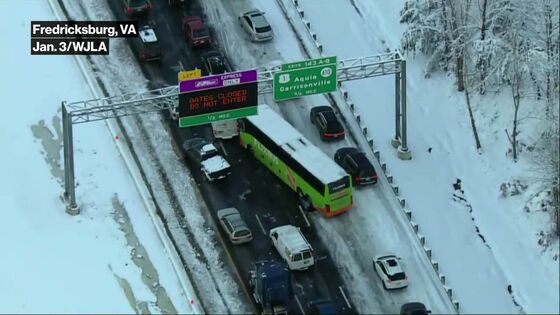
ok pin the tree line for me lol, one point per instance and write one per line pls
(490, 45)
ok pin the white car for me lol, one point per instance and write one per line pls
(215, 167)
(235, 227)
(390, 271)
(255, 24)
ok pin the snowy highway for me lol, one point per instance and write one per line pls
(257, 202)
(473, 217)
(375, 225)
(475, 256)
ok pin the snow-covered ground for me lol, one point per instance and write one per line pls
(483, 241)
(174, 189)
(375, 216)
(108, 259)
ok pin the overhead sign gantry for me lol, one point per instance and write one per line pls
(167, 99)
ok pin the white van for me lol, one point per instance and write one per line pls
(292, 246)
(225, 129)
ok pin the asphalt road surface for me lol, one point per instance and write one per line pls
(263, 200)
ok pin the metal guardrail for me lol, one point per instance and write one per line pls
(343, 96)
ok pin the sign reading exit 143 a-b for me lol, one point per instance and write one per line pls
(306, 77)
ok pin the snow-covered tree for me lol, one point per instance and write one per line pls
(446, 30)
(520, 62)
(426, 32)
(547, 36)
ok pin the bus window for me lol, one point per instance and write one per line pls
(339, 185)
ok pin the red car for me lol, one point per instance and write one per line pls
(197, 33)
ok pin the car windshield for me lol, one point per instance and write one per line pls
(194, 143)
(223, 172)
(334, 126)
(242, 233)
(207, 154)
(151, 47)
(263, 29)
(367, 172)
(329, 116)
(397, 276)
(217, 65)
(203, 32)
(339, 185)
(136, 3)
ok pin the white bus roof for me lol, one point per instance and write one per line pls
(295, 144)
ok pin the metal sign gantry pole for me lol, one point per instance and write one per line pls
(399, 142)
(167, 98)
(69, 191)
(403, 152)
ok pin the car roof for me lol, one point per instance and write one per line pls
(212, 53)
(257, 17)
(216, 59)
(292, 237)
(347, 150)
(194, 142)
(253, 12)
(359, 157)
(391, 264)
(414, 306)
(226, 211)
(215, 164)
(233, 217)
(147, 34)
(193, 20)
(208, 147)
(329, 116)
(236, 222)
(259, 20)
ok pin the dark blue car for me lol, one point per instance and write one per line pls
(322, 307)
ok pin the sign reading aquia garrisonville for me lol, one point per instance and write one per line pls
(306, 77)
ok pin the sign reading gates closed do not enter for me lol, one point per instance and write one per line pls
(218, 97)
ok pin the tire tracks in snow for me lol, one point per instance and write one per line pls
(196, 266)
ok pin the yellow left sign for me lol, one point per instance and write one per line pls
(189, 75)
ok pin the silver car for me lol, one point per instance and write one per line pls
(256, 25)
(235, 227)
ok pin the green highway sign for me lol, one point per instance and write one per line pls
(308, 63)
(306, 77)
(223, 115)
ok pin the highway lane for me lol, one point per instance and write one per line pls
(267, 199)
(375, 225)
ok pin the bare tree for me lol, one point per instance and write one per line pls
(483, 63)
(549, 11)
(516, 80)
(469, 107)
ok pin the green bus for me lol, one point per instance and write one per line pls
(320, 183)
